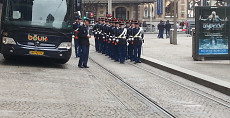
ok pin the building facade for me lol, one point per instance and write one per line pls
(148, 10)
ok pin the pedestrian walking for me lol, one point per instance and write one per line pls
(167, 28)
(84, 43)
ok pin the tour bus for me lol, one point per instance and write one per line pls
(37, 28)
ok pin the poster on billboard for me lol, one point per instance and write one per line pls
(213, 36)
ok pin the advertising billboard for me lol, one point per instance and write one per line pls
(212, 31)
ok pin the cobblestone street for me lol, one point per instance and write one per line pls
(34, 89)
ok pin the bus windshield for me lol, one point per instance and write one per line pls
(40, 13)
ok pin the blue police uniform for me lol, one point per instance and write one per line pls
(76, 43)
(138, 40)
(84, 43)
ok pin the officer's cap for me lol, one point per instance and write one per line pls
(137, 22)
(87, 19)
(121, 23)
(78, 18)
(107, 20)
(133, 21)
(116, 21)
(102, 19)
(127, 21)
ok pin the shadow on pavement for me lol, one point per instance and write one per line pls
(32, 62)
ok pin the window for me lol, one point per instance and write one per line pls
(182, 1)
(169, 9)
(191, 7)
(146, 13)
(121, 13)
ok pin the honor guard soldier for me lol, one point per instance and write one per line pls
(96, 35)
(84, 43)
(131, 41)
(127, 26)
(76, 26)
(122, 42)
(138, 40)
(115, 52)
(103, 43)
(100, 34)
(107, 26)
(111, 37)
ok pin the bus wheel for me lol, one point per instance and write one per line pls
(8, 57)
(62, 61)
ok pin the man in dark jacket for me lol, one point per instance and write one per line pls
(161, 28)
(167, 28)
(84, 43)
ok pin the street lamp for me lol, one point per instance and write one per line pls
(175, 23)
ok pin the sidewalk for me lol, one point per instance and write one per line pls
(180, 57)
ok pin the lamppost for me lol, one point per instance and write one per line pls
(175, 23)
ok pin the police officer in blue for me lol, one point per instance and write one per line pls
(84, 43)
(76, 26)
(138, 40)
(122, 42)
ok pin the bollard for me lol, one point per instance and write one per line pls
(193, 42)
(171, 36)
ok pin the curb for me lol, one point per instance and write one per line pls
(207, 81)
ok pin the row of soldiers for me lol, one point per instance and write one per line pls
(119, 39)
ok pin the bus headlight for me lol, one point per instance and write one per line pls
(65, 45)
(7, 40)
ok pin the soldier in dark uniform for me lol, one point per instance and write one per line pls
(76, 26)
(103, 45)
(115, 48)
(127, 26)
(84, 43)
(96, 35)
(122, 42)
(131, 41)
(111, 37)
(107, 26)
(138, 40)
(101, 35)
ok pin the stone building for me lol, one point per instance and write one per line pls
(149, 11)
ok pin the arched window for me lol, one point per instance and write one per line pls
(146, 12)
(169, 8)
(121, 13)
